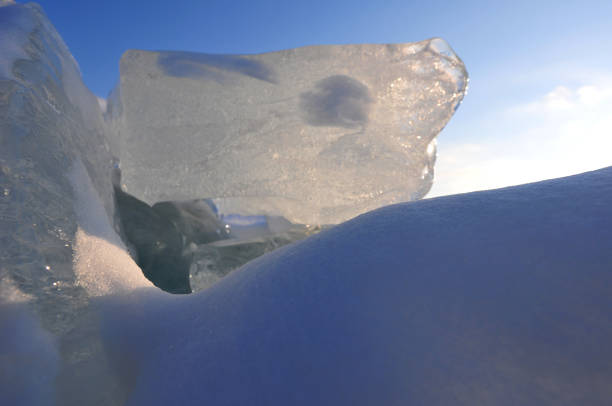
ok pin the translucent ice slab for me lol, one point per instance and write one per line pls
(316, 134)
(55, 195)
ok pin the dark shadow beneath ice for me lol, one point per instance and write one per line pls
(155, 242)
(185, 246)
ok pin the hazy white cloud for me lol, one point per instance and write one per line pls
(565, 131)
(564, 99)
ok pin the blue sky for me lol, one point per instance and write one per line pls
(540, 72)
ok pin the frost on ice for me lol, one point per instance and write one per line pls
(316, 134)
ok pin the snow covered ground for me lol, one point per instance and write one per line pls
(499, 297)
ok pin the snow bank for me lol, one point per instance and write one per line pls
(29, 360)
(499, 297)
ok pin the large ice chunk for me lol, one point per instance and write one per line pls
(316, 134)
(55, 196)
(16, 23)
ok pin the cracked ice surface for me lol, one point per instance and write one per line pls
(316, 134)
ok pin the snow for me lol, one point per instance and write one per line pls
(28, 356)
(29, 360)
(101, 262)
(498, 297)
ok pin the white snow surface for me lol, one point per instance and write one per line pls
(101, 262)
(500, 297)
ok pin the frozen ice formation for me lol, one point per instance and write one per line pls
(56, 207)
(316, 134)
(497, 297)
(60, 247)
(15, 25)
